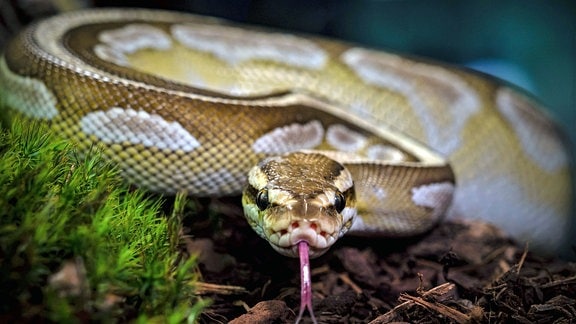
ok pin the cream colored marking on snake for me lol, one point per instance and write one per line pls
(234, 46)
(182, 102)
(129, 39)
(387, 70)
(434, 195)
(384, 152)
(541, 146)
(344, 139)
(118, 125)
(290, 138)
(29, 96)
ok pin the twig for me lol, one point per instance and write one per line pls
(522, 259)
(204, 288)
(346, 279)
(452, 313)
(442, 290)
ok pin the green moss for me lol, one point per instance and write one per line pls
(76, 243)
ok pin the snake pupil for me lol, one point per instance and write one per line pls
(262, 199)
(339, 202)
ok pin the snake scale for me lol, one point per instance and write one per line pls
(332, 137)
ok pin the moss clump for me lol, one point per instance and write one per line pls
(77, 244)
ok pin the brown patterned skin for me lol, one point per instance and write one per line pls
(236, 95)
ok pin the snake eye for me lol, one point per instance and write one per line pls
(262, 199)
(339, 202)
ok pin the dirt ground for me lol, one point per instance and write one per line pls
(460, 272)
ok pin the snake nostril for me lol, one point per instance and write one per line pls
(295, 225)
(323, 234)
(283, 232)
(313, 226)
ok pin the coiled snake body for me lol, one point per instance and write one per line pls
(391, 144)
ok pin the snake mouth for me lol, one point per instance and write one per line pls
(285, 241)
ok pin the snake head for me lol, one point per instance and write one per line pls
(300, 197)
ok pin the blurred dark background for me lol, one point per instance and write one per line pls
(531, 43)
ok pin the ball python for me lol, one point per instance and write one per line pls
(322, 137)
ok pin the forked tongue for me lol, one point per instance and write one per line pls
(305, 282)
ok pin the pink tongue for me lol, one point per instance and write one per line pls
(305, 282)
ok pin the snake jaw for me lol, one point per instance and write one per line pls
(286, 240)
(318, 226)
(284, 229)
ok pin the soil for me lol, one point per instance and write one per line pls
(460, 272)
